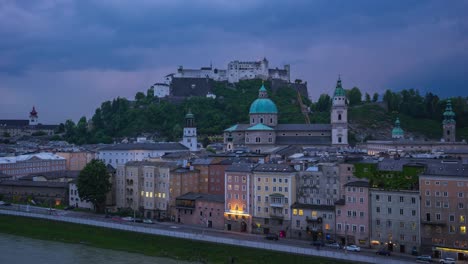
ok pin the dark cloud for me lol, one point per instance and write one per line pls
(102, 49)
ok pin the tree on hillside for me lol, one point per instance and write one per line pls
(368, 100)
(323, 103)
(354, 96)
(94, 184)
(375, 97)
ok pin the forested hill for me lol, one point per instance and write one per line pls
(164, 120)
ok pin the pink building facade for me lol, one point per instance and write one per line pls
(352, 215)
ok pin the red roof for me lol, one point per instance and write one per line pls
(33, 112)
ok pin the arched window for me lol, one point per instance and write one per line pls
(339, 139)
(261, 120)
(339, 117)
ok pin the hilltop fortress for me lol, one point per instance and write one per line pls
(200, 82)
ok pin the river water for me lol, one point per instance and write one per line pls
(21, 250)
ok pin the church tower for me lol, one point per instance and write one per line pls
(449, 124)
(33, 117)
(397, 132)
(339, 116)
(190, 132)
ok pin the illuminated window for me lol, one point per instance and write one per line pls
(462, 219)
(462, 230)
(313, 213)
(327, 226)
(294, 211)
(301, 212)
(151, 194)
(164, 195)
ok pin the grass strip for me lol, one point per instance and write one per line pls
(151, 245)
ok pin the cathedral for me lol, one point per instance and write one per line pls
(263, 132)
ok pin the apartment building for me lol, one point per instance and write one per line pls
(22, 165)
(313, 222)
(352, 214)
(274, 192)
(238, 196)
(444, 200)
(394, 222)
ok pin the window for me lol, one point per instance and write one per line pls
(460, 195)
(460, 205)
(402, 224)
(294, 211)
(445, 194)
(338, 226)
(401, 211)
(258, 187)
(451, 218)
(259, 198)
(389, 198)
(437, 216)
(266, 199)
(361, 214)
(402, 237)
(402, 199)
(463, 230)
(428, 203)
(462, 219)
(361, 200)
(354, 228)
(298, 223)
(301, 212)
(389, 210)
(428, 193)
(377, 222)
(377, 209)
(389, 223)
(377, 197)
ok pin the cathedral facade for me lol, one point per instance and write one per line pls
(264, 133)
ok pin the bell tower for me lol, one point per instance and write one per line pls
(33, 117)
(339, 116)
(449, 123)
(190, 132)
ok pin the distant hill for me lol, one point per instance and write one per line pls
(164, 119)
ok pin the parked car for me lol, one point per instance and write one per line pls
(424, 258)
(353, 248)
(128, 219)
(148, 221)
(117, 219)
(383, 251)
(447, 261)
(138, 220)
(333, 245)
(271, 236)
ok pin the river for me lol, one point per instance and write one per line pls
(22, 250)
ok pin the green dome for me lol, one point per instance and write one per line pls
(263, 106)
(339, 91)
(397, 131)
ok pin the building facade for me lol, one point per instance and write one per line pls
(313, 222)
(352, 215)
(274, 192)
(395, 220)
(444, 200)
(238, 197)
(19, 166)
(198, 209)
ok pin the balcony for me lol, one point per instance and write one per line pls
(278, 205)
(276, 215)
(434, 222)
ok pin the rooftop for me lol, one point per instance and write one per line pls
(146, 146)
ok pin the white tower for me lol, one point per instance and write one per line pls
(190, 132)
(339, 116)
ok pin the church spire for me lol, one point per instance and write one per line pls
(339, 91)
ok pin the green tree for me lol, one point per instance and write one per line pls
(324, 103)
(354, 96)
(94, 184)
(375, 97)
(368, 100)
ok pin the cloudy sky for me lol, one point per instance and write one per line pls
(66, 57)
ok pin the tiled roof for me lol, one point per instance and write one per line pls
(259, 127)
(35, 184)
(274, 168)
(240, 167)
(202, 197)
(51, 175)
(146, 146)
(303, 127)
